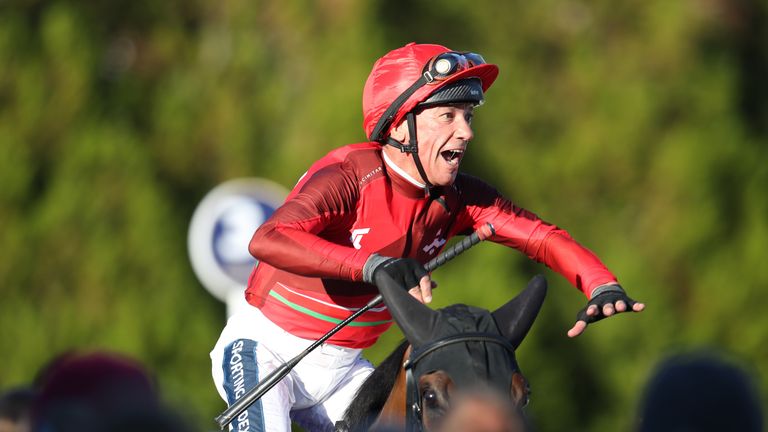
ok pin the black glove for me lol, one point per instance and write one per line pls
(406, 272)
(607, 294)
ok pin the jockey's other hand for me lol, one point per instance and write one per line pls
(606, 300)
(407, 272)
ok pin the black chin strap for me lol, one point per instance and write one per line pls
(413, 148)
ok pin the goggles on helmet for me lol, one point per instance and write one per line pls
(442, 66)
(439, 68)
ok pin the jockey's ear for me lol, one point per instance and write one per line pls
(516, 317)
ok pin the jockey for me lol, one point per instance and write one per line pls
(386, 206)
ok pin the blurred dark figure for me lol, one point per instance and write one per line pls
(700, 392)
(483, 411)
(100, 392)
(15, 406)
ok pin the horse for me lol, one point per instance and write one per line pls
(446, 352)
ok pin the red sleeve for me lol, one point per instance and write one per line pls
(518, 228)
(297, 237)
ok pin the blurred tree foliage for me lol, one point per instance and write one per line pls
(639, 126)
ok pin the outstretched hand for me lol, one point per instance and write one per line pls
(610, 301)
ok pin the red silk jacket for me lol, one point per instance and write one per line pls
(350, 204)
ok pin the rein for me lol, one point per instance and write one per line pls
(413, 412)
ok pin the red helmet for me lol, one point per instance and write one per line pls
(407, 76)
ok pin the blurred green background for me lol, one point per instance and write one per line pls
(639, 126)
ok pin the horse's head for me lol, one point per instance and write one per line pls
(461, 348)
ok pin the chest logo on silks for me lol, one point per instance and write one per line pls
(437, 243)
(357, 235)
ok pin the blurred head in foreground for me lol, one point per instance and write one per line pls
(700, 392)
(15, 405)
(483, 412)
(98, 392)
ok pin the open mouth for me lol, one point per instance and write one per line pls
(452, 156)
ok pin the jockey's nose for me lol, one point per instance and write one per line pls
(464, 129)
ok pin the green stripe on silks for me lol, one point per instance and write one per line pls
(320, 316)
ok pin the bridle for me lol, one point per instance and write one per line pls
(413, 412)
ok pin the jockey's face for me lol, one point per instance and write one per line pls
(443, 133)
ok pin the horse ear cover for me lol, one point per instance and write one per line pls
(516, 317)
(415, 319)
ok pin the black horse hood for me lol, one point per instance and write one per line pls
(490, 350)
(474, 361)
(420, 324)
(461, 318)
